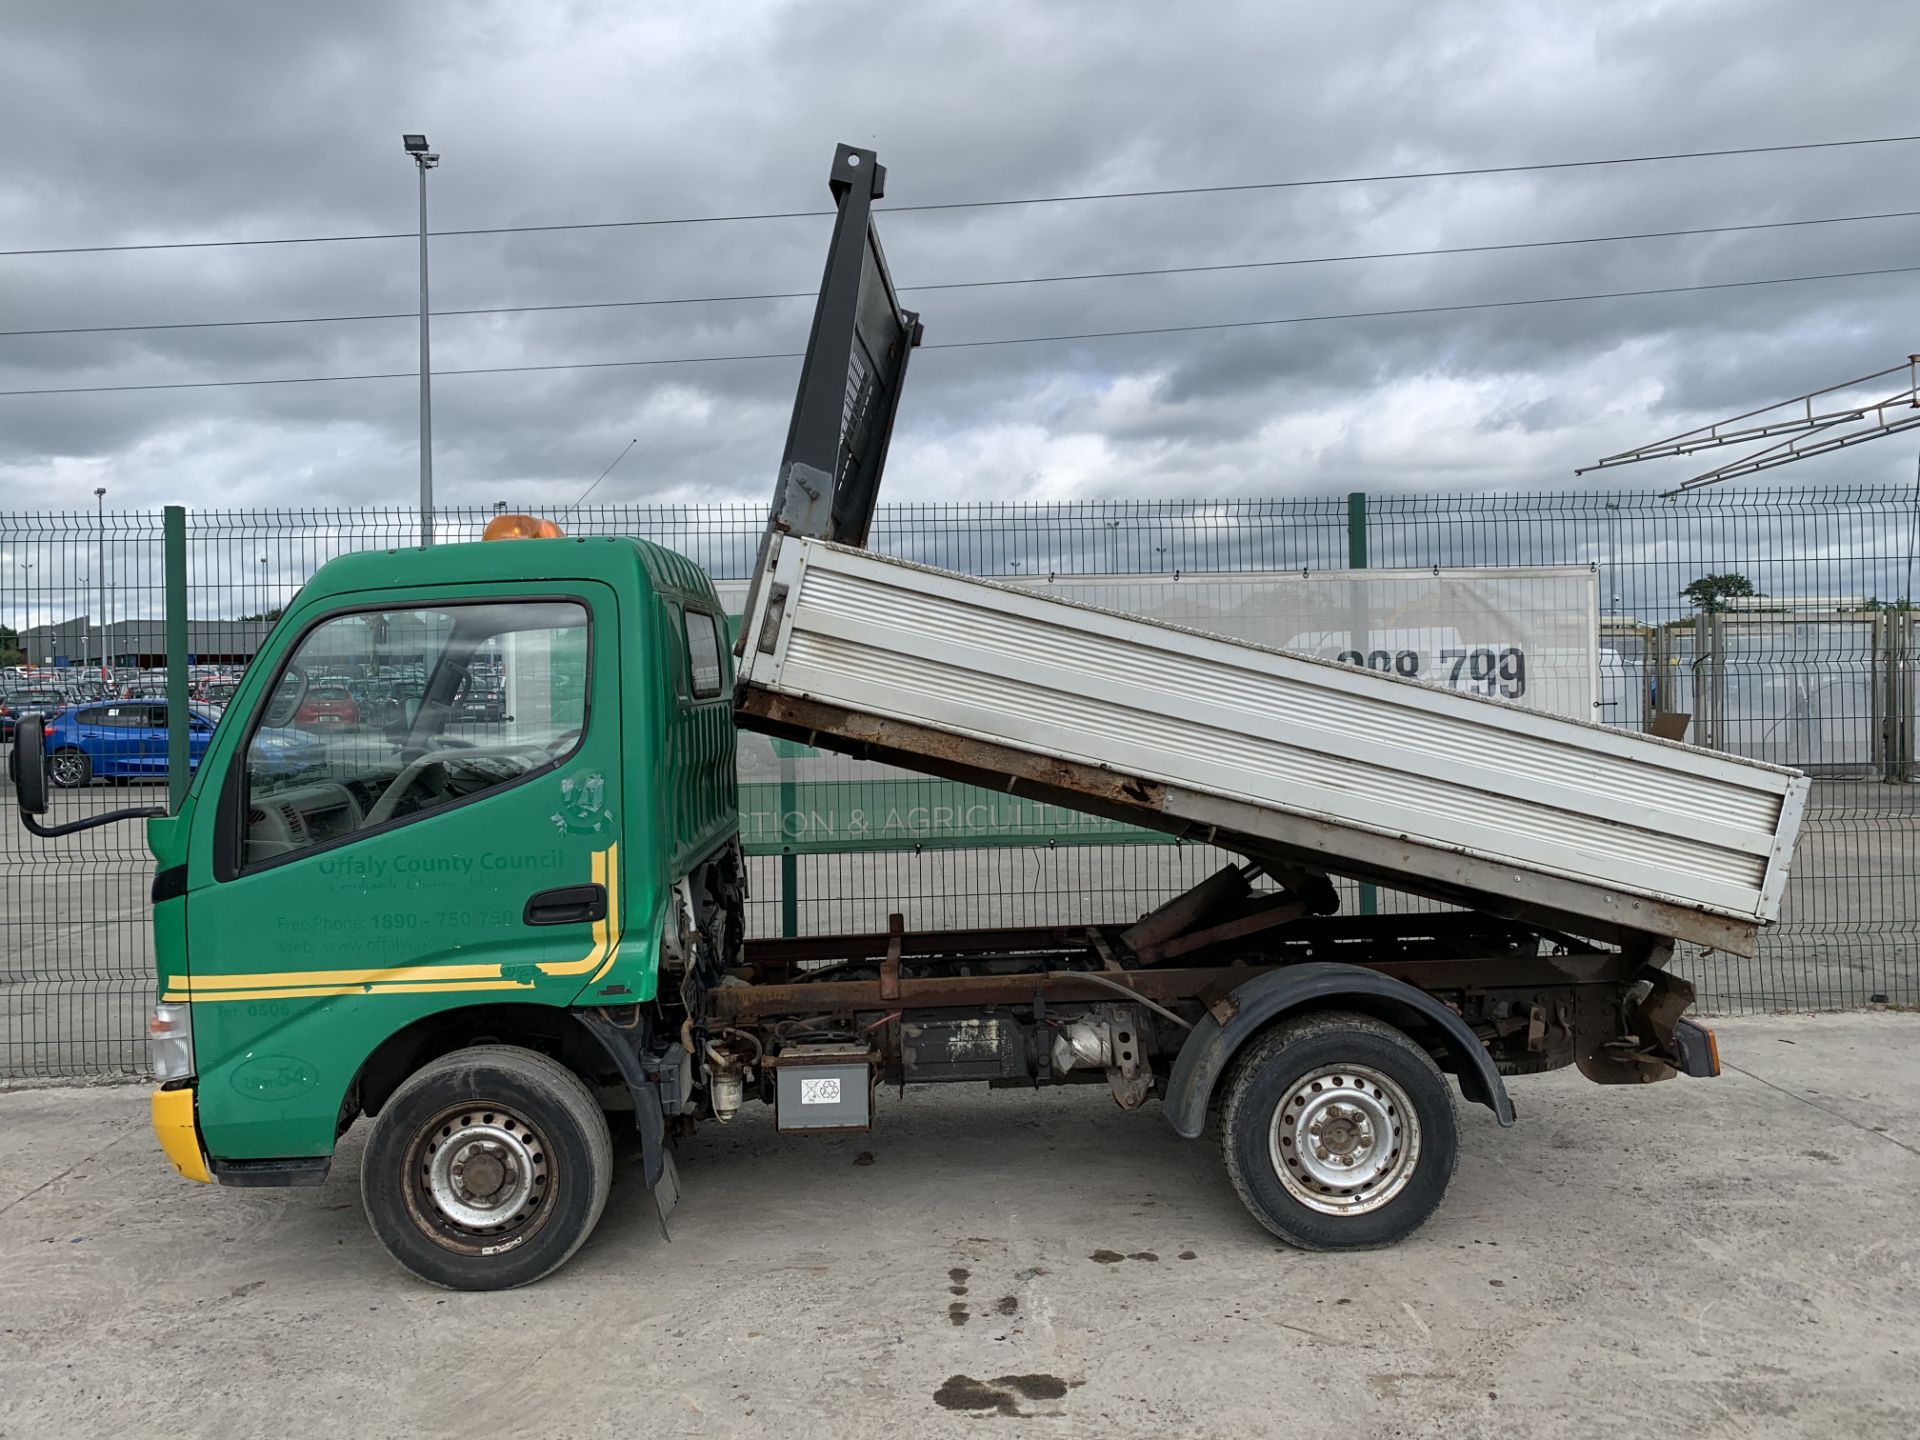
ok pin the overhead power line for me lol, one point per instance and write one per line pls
(983, 344)
(971, 284)
(1459, 172)
(1426, 309)
(602, 475)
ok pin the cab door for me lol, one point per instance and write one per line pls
(367, 882)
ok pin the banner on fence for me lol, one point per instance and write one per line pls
(1526, 634)
(1529, 635)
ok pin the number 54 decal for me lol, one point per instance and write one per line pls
(1487, 670)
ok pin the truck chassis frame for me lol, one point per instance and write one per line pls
(1533, 999)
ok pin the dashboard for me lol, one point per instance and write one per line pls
(306, 815)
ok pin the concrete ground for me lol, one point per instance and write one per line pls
(1732, 1258)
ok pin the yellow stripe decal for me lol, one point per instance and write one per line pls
(308, 992)
(613, 928)
(414, 979)
(606, 871)
(284, 978)
(606, 967)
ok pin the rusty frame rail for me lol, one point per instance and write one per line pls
(735, 1004)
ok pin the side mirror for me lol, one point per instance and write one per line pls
(30, 764)
(397, 731)
(287, 698)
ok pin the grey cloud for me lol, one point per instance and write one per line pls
(136, 122)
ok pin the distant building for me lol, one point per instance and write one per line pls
(141, 644)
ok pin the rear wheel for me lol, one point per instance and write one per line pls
(1338, 1132)
(70, 769)
(487, 1169)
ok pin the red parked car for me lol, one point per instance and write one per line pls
(328, 707)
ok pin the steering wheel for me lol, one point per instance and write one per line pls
(382, 809)
(389, 800)
(562, 743)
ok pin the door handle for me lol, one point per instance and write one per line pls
(568, 905)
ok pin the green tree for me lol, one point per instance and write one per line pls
(10, 653)
(1711, 592)
(270, 615)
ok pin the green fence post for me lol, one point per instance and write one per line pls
(1357, 530)
(789, 862)
(174, 529)
(1357, 560)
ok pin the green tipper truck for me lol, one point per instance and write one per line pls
(510, 901)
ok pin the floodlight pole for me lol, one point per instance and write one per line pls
(416, 146)
(100, 502)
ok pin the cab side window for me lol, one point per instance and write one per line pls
(703, 654)
(380, 717)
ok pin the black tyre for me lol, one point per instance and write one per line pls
(487, 1169)
(70, 769)
(1339, 1132)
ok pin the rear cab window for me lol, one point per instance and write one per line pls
(704, 670)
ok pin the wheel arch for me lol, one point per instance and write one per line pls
(547, 1029)
(585, 1041)
(1209, 1051)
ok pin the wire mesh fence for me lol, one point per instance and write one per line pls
(1779, 621)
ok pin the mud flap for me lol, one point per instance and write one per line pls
(666, 1194)
(657, 1169)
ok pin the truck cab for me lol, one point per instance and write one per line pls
(323, 929)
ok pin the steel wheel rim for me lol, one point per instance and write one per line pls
(480, 1179)
(1344, 1140)
(66, 769)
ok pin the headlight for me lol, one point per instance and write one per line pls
(170, 1042)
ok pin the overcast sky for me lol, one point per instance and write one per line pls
(138, 122)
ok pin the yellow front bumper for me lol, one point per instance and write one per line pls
(179, 1136)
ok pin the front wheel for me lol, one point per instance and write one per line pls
(1339, 1132)
(487, 1169)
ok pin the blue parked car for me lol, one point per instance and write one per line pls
(117, 740)
(127, 740)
